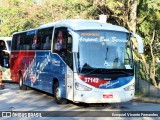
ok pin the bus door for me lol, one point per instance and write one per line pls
(69, 74)
(62, 48)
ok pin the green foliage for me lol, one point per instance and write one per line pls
(148, 21)
(19, 16)
(140, 94)
(153, 4)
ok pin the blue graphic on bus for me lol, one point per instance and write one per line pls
(44, 67)
(116, 83)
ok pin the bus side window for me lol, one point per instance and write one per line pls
(35, 42)
(47, 44)
(62, 45)
(59, 43)
(59, 46)
(13, 46)
(45, 38)
(18, 47)
(18, 41)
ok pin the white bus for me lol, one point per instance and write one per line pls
(5, 48)
(77, 60)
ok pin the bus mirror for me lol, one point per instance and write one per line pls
(140, 43)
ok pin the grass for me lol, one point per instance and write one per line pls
(140, 94)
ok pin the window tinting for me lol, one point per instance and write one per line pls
(38, 39)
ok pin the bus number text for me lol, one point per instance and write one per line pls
(91, 80)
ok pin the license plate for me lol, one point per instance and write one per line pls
(107, 95)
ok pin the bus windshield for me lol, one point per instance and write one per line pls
(104, 50)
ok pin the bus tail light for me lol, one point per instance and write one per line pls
(130, 87)
(81, 87)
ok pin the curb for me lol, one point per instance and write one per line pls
(146, 100)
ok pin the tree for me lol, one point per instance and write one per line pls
(142, 17)
(18, 16)
(148, 27)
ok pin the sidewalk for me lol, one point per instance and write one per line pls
(146, 99)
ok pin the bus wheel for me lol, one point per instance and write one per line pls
(21, 86)
(57, 95)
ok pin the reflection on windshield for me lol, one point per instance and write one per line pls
(104, 50)
(114, 57)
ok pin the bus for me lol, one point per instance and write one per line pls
(77, 60)
(5, 48)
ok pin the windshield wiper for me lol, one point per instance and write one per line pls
(91, 71)
(107, 71)
(128, 73)
(120, 71)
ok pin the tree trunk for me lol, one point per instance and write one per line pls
(132, 15)
(153, 67)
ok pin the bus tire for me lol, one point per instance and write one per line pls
(21, 86)
(57, 96)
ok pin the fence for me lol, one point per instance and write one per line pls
(143, 82)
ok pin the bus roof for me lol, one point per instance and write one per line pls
(6, 38)
(76, 24)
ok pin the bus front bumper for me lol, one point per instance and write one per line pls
(103, 96)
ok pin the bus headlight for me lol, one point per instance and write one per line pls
(81, 87)
(130, 87)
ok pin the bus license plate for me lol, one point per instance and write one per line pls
(107, 95)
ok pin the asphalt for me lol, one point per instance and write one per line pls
(12, 85)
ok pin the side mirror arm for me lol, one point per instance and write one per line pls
(140, 43)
